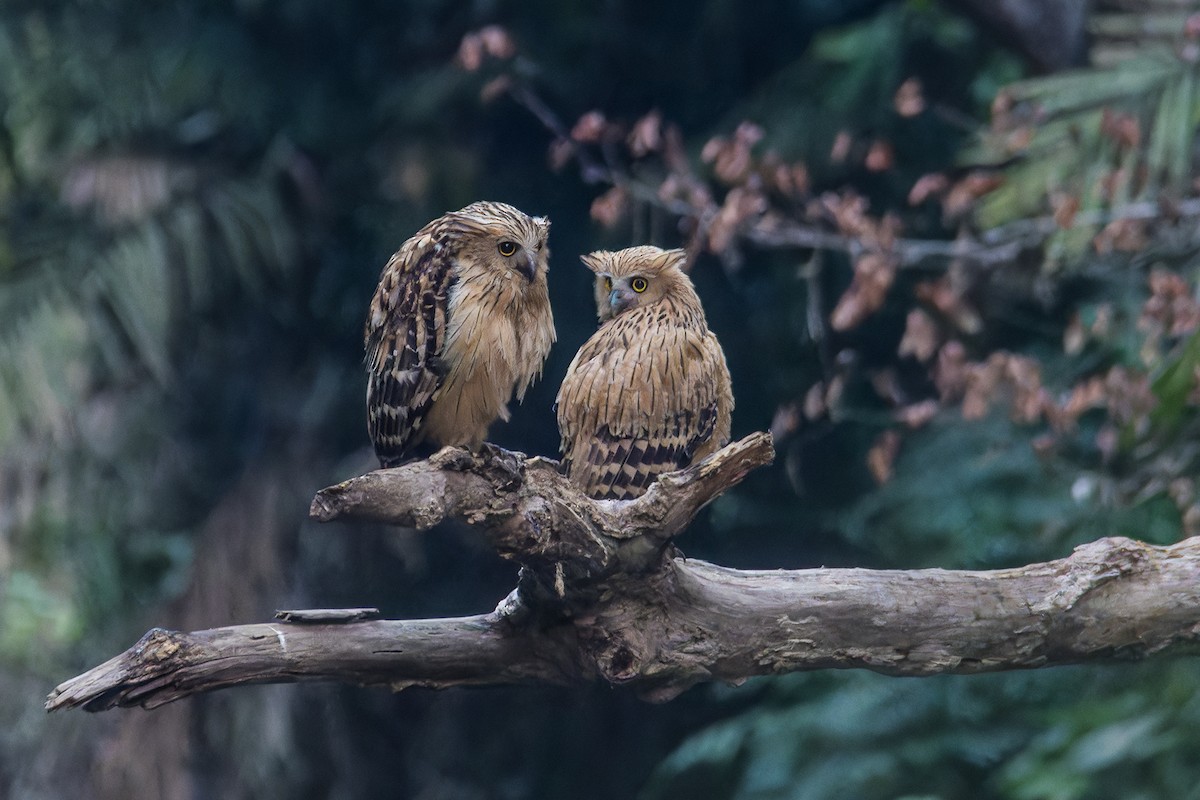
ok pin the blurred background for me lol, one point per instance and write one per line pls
(950, 248)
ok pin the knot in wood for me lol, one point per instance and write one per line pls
(1091, 566)
(158, 645)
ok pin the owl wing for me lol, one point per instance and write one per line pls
(634, 407)
(405, 335)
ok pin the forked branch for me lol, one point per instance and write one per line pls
(603, 596)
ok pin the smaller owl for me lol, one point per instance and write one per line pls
(649, 392)
(460, 323)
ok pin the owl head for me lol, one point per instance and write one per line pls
(637, 277)
(503, 241)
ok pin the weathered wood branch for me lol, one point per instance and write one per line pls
(167, 665)
(604, 597)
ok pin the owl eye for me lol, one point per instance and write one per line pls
(507, 248)
(608, 284)
(638, 284)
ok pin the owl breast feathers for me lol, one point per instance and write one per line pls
(649, 392)
(460, 323)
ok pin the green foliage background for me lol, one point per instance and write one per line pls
(195, 201)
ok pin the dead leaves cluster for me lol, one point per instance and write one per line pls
(1124, 396)
(1172, 309)
(492, 41)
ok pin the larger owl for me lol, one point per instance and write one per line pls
(459, 324)
(649, 392)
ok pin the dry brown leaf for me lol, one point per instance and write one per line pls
(1029, 396)
(1074, 336)
(921, 336)
(1065, 207)
(918, 415)
(712, 148)
(929, 185)
(873, 276)
(1191, 26)
(1130, 399)
(945, 295)
(1084, 396)
(881, 156)
(887, 386)
(814, 401)
(470, 52)
(1044, 443)
(841, 147)
(1107, 442)
(910, 98)
(491, 41)
(1191, 521)
(882, 456)
(801, 182)
(560, 154)
(608, 208)
(1002, 106)
(963, 194)
(1122, 235)
(1019, 139)
(785, 422)
(982, 382)
(741, 205)
(497, 42)
(950, 373)
(1122, 128)
(589, 128)
(646, 136)
(1182, 492)
(495, 88)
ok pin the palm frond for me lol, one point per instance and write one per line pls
(1103, 137)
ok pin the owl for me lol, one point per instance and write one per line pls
(649, 392)
(460, 323)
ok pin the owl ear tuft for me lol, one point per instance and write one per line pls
(595, 261)
(543, 223)
(673, 258)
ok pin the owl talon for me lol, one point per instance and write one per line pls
(491, 452)
(457, 459)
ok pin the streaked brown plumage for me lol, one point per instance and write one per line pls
(460, 322)
(649, 392)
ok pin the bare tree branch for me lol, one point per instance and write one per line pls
(603, 596)
(531, 514)
(468, 651)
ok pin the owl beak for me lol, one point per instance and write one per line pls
(527, 266)
(620, 299)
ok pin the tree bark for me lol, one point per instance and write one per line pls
(604, 596)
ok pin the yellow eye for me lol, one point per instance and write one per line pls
(608, 284)
(638, 284)
(507, 248)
